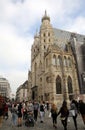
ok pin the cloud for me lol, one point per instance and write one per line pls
(77, 25)
(14, 49)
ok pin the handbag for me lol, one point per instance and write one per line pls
(71, 113)
(62, 118)
(49, 115)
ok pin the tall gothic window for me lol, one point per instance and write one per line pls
(65, 61)
(70, 89)
(54, 60)
(58, 85)
(69, 62)
(59, 61)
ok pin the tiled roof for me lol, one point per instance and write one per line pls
(61, 34)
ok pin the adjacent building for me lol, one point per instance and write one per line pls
(22, 92)
(4, 88)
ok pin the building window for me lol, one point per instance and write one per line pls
(40, 79)
(69, 62)
(70, 89)
(49, 40)
(44, 40)
(65, 61)
(44, 34)
(35, 67)
(59, 61)
(58, 85)
(48, 34)
(54, 60)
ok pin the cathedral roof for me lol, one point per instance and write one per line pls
(61, 34)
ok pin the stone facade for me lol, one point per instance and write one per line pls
(4, 88)
(54, 74)
(22, 92)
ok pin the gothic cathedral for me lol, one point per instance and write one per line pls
(54, 68)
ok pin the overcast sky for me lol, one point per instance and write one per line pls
(19, 20)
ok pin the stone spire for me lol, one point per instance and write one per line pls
(36, 34)
(45, 17)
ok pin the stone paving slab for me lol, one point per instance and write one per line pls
(47, 125)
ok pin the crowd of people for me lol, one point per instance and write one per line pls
(37, 109)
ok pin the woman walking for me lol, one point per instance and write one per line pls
(64, 114)
(20, 115)
(54, 115)
(73, 108)
(42, 112)
(14, 115)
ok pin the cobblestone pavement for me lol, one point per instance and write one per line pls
(47, 125)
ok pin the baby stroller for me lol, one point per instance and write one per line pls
(29, 122)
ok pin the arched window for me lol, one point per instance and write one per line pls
(44, 40)
(70, 89)
(65, 61)
(35, 67)
(59, 61)
(44, 35)
(58, 85)
(48, 34)
(69, 62)
(54, 60)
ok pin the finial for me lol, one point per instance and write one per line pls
(45, 13)
(36, 34)
(45, 17)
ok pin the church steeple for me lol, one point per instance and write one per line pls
(45, 17)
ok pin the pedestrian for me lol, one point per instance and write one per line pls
(64, 114)
(1, 112)
(36, 108)
(82, 110)
(30, 106)
(5, 111)
(19, 111)
(42, 112)
(14, 115)
(47, 105)
(74, 110)
(54, 111)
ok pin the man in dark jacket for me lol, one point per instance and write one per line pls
(1, 111)
(82, 110)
